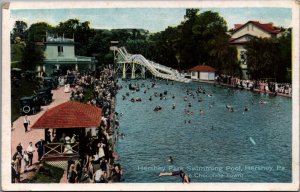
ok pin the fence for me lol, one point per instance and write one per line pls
(61, 149)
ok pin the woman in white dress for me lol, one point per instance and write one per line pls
(101, 153)
(68, 147)
(67, 88)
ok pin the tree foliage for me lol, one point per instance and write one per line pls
(37, 32)
(285, 46)
(262, 58)
(270, 58)
(201, 38)
(33, 56)
(81, 32)
(19, 30)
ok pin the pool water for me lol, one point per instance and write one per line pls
(216, 146)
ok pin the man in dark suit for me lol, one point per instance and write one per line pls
(40, 148)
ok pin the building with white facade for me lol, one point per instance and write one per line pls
(203, 72)
(242, 33)
(60, 54)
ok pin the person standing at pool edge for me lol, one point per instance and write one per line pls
(26, 122)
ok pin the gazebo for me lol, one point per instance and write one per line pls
(66, 120)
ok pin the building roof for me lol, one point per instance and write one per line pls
(203, 68)
(235, 40)
(70, 114)
(268, 27)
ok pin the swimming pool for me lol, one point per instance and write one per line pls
(216, 146)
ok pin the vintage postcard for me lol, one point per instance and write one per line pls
(150, 95)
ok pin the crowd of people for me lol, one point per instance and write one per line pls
(96, 158)
(265, 86)
(95, 164)
(25, 156)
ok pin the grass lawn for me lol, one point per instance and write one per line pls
(20, 89)
(53, 175)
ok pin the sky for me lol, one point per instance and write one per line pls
(152, 19)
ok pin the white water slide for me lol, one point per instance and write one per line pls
(155, 69)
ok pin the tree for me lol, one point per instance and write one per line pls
(19, 30)
(191, 13)
(263, 58)
(37, 31)
(203, 39)
(98, 45)
(80, 31)
(33, 56)
(17, 52)
(285, 46)
(162, 47)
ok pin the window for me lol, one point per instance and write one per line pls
(247, 27)
(252, 27)
(60, 50)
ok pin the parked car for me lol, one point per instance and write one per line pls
(45, 95)
(30, 105)
(51, 82)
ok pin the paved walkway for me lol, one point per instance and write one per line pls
(64, 178)
(18, 134)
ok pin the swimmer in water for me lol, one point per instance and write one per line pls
(246, 108)
(171, 159)
(183, 176)
(263, 102)
(229, 108)
(173, 107)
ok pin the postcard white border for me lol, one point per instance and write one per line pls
(5, 103)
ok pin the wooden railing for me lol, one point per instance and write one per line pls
(61, 149)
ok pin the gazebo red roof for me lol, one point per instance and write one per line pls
(203, 68)
(70, 114)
